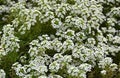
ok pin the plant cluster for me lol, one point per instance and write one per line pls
(59, 38)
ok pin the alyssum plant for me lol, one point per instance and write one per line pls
(59, 38)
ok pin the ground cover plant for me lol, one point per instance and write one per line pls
(59, 38)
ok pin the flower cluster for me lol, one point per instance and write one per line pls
(60, 38)
(9, 42)
(107, 64)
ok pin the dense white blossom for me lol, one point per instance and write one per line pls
(107, 63)
(9, 42)
(60, 38)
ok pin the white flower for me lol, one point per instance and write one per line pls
(69, 34)
(2, 73)
(74, 71)
(103, 72)
(54, 66)
(57, 56)
(42, 69)
(56, 23)
(91, 41)
(113, 67)
(67, 58)
(43, 76)
(107, 63)
(54, 76)
(85, 67)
